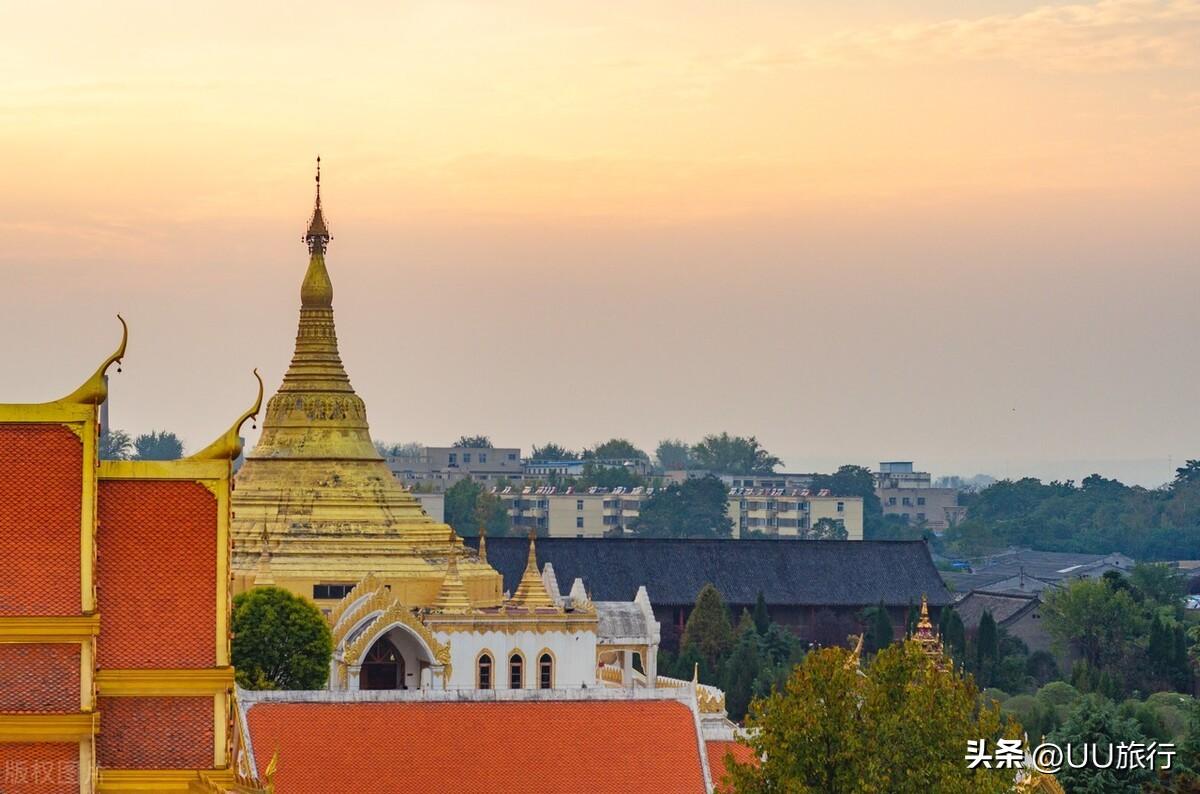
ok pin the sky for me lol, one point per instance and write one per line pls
(960, 233)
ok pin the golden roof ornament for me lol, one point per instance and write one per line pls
(925, 636)
(483, 543)
(452, 597)
(229, 445)
(94, 390)
(531, 591)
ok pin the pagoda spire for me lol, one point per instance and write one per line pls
(482, 542)
(452, 597)
(316, 414)
(317, 235)
(531, 590)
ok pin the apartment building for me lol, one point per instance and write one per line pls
(592, 512)
(791, 513)
(908, 493)
(435, 469)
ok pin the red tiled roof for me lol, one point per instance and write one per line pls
(41, 490)
(532, 747)
(157, 575)
(716, 760)
(39, 678)
(155, 732)
(39, 768)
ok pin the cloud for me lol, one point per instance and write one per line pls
(1103, 37)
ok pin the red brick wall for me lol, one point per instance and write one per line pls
(157, 575)
(39, 768)
(155, 733)
(41, 487)
(39, 678)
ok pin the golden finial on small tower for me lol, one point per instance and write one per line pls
(531, 590)
(482, 542)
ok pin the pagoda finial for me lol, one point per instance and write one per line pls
(482, 542)
(317, 235)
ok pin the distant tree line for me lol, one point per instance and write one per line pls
(155, 445)
(1098, 515)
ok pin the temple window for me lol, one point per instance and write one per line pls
(545, 672)
(485, 671)
(516, 679)
(326, 591)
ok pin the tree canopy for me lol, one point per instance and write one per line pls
(473, 442)
(115, 444)
(708, 628)
(1097, 516)
(726, 454)
(157, 445)
(469, 505)
(673, 454)
(280, 641)
(553, 452)
(615, 449)
(695, 508)
(900, 726)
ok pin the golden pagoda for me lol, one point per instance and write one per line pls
(316, 507)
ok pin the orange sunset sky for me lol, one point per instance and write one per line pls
(963, 233)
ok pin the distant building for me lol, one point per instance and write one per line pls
(438, 468)
(817, 589)
(1025, 572)
(543, 469)
(908, 493)
(1019, 615)
(594, 512)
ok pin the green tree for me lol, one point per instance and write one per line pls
(673, 454)
(987, 649)
(157, 445)
(879, 628)
(408, 449)
(740, 671)
(826, 529)
(695, 508)
(280, 641)
(115, 444)
(708, 630)
(615, 449)
(1095, 721)
(726, 454)
(552, 452)
(1094, 619)
(492, 513)
(460, 505)
(834, 730)
(762, 618)
(474, 442)
(602, 476)
(1159, 583)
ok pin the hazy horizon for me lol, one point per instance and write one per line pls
(964, 236)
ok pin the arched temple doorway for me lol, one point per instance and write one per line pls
(383, 667)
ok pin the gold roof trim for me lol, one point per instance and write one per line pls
(395, 614)
(95, 389)
(229, 445)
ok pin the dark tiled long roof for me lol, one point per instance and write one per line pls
(788, 572)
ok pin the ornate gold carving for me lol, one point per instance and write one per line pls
(377, 602)
(442, 657)
(368, 584)
(709, 700)
(395, 613)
